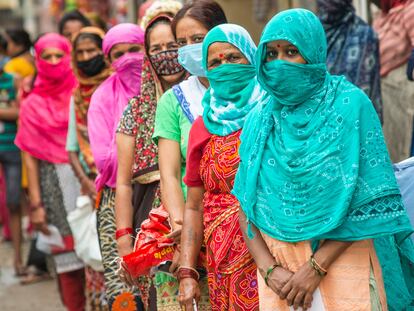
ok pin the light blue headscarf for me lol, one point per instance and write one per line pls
(234, 90)
(314, 164)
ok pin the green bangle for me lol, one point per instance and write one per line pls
(269, 271)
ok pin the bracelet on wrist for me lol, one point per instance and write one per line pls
(187, 272)
(269, 272)
(317, 267)
(121, 232)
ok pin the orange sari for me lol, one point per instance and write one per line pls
(346, 287)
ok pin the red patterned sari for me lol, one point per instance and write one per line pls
(232, 273)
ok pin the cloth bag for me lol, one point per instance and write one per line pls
(82, 222)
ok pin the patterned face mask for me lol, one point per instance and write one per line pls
(166, 63)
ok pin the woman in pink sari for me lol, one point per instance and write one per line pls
(41, 136)
(123, 45)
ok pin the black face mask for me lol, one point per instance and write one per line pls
(92, 66)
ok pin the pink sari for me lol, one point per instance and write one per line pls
(44, 113)
(110, 99)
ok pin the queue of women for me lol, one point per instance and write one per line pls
(272, 169)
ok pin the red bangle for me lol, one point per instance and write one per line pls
(184, 273)
(121, 232)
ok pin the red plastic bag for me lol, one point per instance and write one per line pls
(152, 246)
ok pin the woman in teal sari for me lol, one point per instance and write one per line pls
(321, 210)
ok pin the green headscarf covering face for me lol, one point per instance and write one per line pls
(314, 164)
(293, 83)
(234, 90)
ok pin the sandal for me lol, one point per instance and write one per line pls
(33, 278)
(20, 271)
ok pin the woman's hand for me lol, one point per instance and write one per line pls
(176, 232)
(189, 290)
(278, 279)
(124, 244)
(175, 261)
(88, 188)
(38, 219)
(299, 290)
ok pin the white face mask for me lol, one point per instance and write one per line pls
(191, 58)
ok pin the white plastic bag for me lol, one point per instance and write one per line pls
(44, 243)
(82, 222)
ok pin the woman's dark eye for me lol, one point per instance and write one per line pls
(213, 63)
(172, 46)
(292, 52)
(181, 42)
(134, 49)
(118, 54)
(271, 54)
(198, 39)
(234, 58)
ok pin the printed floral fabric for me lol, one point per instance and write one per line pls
(138, 121)
(166, 63)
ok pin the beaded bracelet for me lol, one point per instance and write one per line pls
(121, 232)
(187, 272)
(317, 267)
(269, 272)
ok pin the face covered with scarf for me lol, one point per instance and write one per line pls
(313, 155)
(123, 45)
(44, 113)
(228, 60)
(292, 80)
(91, 69)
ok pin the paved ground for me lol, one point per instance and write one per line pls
(42, 296)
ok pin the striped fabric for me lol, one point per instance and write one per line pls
(396, 35)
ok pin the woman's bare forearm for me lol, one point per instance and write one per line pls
(9, 114)
(33, 177)
(257, 246)
(172, 198)
(329, 251)
(169, 157)
(77, 166)
(123, 207)
(123, 198)
(192, 234)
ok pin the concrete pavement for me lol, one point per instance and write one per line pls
(42, 296)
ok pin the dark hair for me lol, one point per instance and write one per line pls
(207, 12)
(91, 36)
(20, 37)
(74, 15)
(97, 20)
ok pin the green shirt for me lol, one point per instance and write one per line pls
(8, 129)
(72, 143)
(171, 123)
